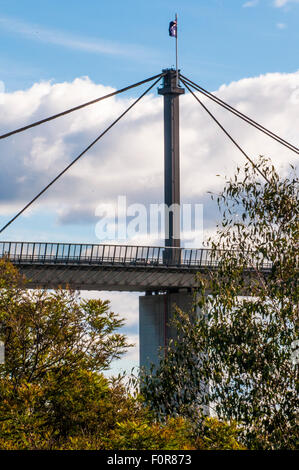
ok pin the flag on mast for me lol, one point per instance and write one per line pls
(173, 28)
(173, 32)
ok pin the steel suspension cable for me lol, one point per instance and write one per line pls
(55, 116)
(79, 156)
(225, 131)
(241, 115)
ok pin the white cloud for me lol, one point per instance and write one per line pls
(250, 3)
(129, 159)
(49, 36)
(282, 3)
(281, 25)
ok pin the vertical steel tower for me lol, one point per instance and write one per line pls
(171, 93)
(155, 311)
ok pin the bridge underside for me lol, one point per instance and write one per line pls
(108, 278)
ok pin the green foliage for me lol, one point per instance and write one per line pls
(53, 394)
(175, 434)
(217, 435)
(56, 347)
(57, 332)
(235, 354)
(84, 409)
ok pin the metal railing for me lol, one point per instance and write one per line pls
(73, 253)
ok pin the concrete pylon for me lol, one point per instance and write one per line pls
(155, 312)
(171, 93)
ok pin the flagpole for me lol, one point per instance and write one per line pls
(176, 51)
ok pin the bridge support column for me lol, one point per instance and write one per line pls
(155, 312)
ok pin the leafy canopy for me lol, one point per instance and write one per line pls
(234, 350)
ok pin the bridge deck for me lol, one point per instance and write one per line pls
(109, 267)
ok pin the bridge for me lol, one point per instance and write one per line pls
(111, 267)
(166, 274)
(106, 267)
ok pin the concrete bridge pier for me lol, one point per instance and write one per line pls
(155, 312)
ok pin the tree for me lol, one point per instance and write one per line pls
(236, 355)
(55, 332)
(53, 394)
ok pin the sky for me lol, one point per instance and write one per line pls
(55, 55)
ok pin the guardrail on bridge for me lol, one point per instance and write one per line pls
(74, 253)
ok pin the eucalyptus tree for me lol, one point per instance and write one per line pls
(236, 355)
